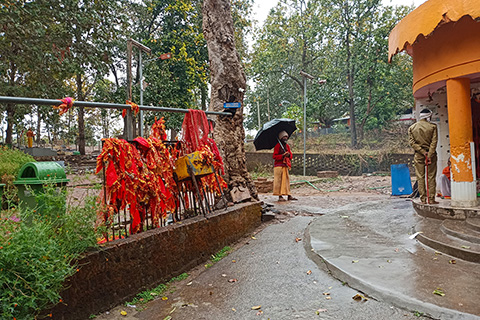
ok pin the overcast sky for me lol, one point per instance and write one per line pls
(262, 7)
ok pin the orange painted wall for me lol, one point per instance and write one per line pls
(453, 50)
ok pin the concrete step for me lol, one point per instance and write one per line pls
(460, 229)
(433, 237)
(473, 223)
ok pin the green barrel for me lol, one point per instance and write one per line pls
(33, 176)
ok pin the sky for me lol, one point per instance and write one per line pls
(262, 7)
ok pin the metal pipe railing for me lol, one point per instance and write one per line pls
(105, 105)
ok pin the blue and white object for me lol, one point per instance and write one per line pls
(401, 182)
(232, 105)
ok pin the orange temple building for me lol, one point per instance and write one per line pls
(443, 39)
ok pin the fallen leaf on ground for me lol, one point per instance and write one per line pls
(224, 275)
(234, 261)
(328, 298)
(359, 297)
(298, 239)
(123, 313)
(164, 298)
(354, 261)
(190, 283)
(232, 280)
(438, 253)
(234, 310)
(326, 293)
(466, 247)
(256, 307)
(175, 308)
(259, 312)
(452, 261)
(254, 238)
(439, 292)
(309, 272)
(320, 311)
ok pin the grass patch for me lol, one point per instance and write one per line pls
(218, 256)
(149, 295)
(221, 254)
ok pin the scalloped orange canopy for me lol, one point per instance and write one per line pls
(425, 19)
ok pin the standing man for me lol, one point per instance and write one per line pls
(423, 138)
(283, 162)
(30, 136)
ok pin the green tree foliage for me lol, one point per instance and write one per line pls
(342, 41)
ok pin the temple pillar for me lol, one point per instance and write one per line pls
(462, 148)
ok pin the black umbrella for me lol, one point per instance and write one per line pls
(267, 137)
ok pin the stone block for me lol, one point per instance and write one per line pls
(327, 174)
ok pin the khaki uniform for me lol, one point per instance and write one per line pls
(423, 138)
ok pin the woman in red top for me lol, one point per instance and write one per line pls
(283, 162)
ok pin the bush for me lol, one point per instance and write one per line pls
(39, 252)
(12, 160)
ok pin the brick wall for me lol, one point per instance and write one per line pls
(121, 269)
(345, 164)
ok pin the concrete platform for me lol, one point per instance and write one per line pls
(444, 210)
(368, 246)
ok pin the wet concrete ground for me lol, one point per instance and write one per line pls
(368, 246)
(274, 270)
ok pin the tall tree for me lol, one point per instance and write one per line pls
(228, 84)
(29, 61)
(292, 40)
(89, 26)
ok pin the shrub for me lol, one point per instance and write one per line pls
(12, 160)
(39, 252)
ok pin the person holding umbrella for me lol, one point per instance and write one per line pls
(282, 156)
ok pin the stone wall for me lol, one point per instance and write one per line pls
(123, 268)
(345, 164)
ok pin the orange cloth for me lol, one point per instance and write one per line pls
(446, 171)
(281, 181)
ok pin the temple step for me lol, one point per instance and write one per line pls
(473, 223)
(460, 229)
(445, 239)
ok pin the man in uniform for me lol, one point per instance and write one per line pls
(423, 138)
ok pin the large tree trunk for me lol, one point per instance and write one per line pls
(228, 83)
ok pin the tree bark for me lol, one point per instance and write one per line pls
(39, 125)
(81, 119)
(10, 120)
(228, 84)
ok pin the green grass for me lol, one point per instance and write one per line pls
(221, 254)
(149, 295)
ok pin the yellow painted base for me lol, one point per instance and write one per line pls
(200, 168)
